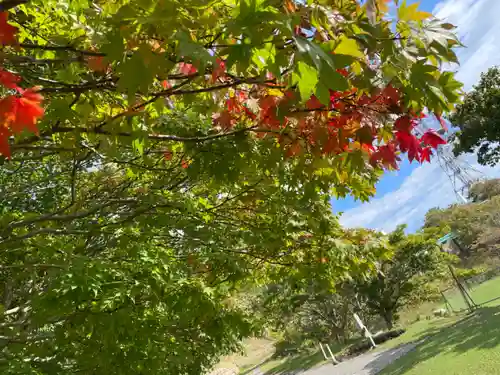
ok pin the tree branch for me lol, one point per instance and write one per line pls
(9, 4)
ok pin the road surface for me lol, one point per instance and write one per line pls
(370, 363)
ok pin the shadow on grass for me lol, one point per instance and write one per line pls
(480, 330)
(296, 364)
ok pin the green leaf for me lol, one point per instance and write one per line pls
(314, 54)
(198, 54)
(333, 79)
(349, 47)
(306, 80)
(323, 94)
(239, 55)
(342, 61)
(115, 47)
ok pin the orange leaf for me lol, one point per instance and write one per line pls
(167, 155)
(290, 6)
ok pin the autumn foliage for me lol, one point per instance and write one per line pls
(19, 110)
(349, 122)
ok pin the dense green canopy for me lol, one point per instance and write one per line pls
(186, 149)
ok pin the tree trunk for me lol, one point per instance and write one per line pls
(388, 318)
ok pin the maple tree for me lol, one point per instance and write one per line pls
(158, 154)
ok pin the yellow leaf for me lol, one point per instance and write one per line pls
(411, 13)
(275, 92)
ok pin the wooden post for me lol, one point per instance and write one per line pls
(323, 351)
(448, 305)
(334, 360)
(471, 305)
(365, 330)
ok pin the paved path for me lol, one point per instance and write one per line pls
(370, 363)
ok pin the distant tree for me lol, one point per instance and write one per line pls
(435, 217)
(399, 278)
(470, 221)
(484, 190)
(478, 118)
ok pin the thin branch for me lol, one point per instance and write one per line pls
(69, 217)
(60, 48)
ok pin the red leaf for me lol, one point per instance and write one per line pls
(224, 119)
(233, 104)
(249, 113)
(7, 31)
(187, 69)
(294, 149)
(425, 155)
(404, 124)
(97, 64)
(344, 72)
(22, 112)
(314, 103)
(268, 111)
(386, 154)
(391, 95)
(18, 113)
(331, 145)
(9, 80)
(441, 121)
(4, 141)
(219, 69)
(410, 144)
(432, 139)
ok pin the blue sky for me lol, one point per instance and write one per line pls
(406, 195)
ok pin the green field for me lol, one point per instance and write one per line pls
(471, 346)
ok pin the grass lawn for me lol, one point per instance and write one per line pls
(471, 346)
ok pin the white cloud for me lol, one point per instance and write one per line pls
(428, 186)
(479, 31)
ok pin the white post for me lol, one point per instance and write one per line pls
(323, 351)
(370, 337)
(364, 329)
(334, 360)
